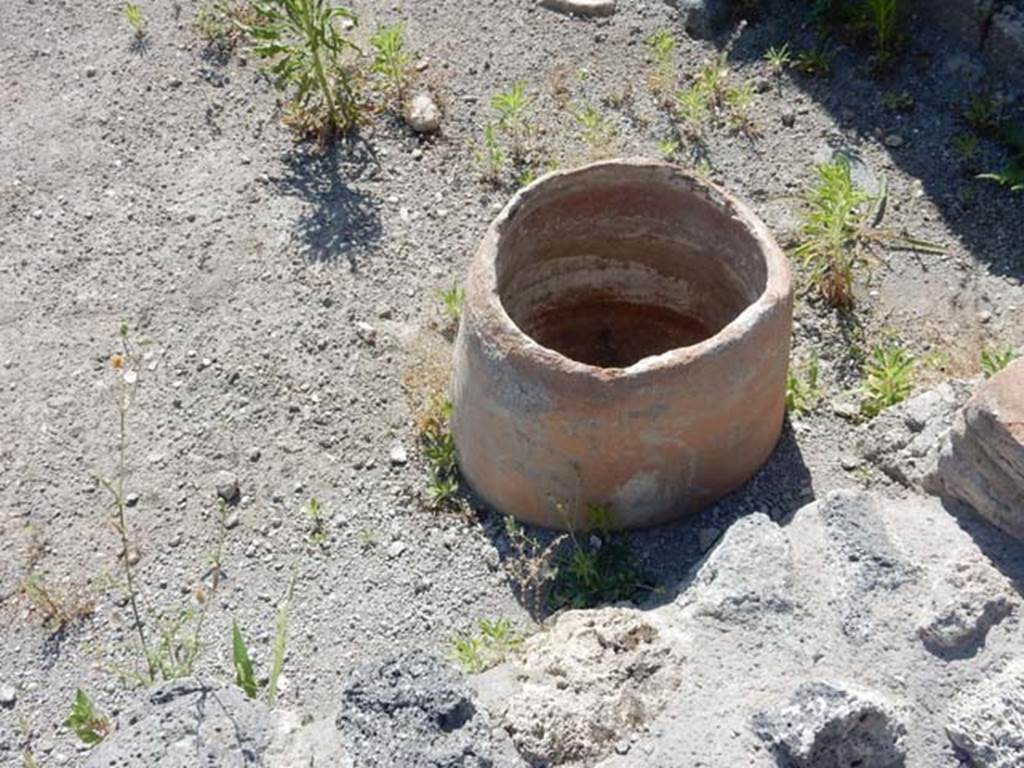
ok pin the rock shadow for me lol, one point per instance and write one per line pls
(339, 220)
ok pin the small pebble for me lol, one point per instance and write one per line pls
(8, 695)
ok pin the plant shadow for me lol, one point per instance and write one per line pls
(339, 221)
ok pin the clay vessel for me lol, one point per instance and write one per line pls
(624, 342)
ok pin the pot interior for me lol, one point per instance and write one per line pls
(614, 264)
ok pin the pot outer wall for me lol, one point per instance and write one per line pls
(541, 437)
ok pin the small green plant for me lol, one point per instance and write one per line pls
(476, 653)
(663, 45)
(778, 58)
(245, 677)
(594, 129)
(87, 723)
(888, 375)
(491, 156)
(965, 145)
(133, 15)
(898, 101)
(512, 106)
(802, 390)
(452, 300)
(668, 148)
(307, 52)
(1012, 176)
(833, 222)
(604, 572)
(885, 17)
(221, 22)
(438, 447)
(57, 608)
(815, 62)
(713, 95)
(390, 59)
(318, 527)
(994, 360)
(983, 114)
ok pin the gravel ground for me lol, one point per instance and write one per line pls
(155, 184)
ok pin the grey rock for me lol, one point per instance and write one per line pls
(189, 724)
(702, 18)
(422, 113)
(581, 7)
(830, 726)
(591, 680)
(905, 441)
(413, 711)
(746, 578)
(314, 744)
(987, 721)
(227, 486)
(868, 563)
(982, 462)
(968, 599)
(8, 695)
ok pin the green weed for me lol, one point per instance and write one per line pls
(491, 156)
(87, 722)
(668, 148)
(802, 390)
(307, 52)
(815, 62)
(966, 146)
(132, 14)
(898, 101)
(512, 107)
(58, 608)
(1012, 176)
(452, 300)
(888, 378)
(438, 447)
(597, 132)
(994, 360)
(533, 566)
(662, 45)
(778, 58)
(885, 17)
(390, 59)
(318, 527)
(601, 573)
(221, 22)
(476, 653)
(245, 677)
(983, 114)
(834, 219)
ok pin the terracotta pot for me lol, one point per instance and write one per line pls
(624, 342)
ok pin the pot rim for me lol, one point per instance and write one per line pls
(515, 342)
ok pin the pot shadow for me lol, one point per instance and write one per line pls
(935, 71)
(339, 220)
(664, 555)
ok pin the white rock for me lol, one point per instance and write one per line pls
(397, 455)
(422, 113)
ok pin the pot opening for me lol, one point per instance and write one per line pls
(610, 268)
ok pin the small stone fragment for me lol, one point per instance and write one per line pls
(581, 7)
(366, 333)
(227, 486)
(397, 455)
(8, 695)
(827, 726)
(422, 113)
